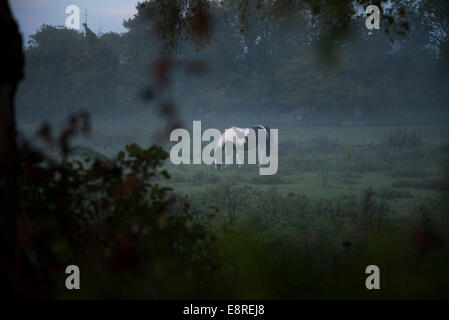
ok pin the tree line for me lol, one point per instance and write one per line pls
(269, 60)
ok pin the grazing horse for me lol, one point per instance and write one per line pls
(238, 138)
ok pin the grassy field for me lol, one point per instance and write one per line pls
(401, 165)
(328, 162)
(343, 198)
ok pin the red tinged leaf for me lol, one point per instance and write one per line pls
(161, 70)
(128, 186)
(200, 24)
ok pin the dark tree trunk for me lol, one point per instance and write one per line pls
(11, 72)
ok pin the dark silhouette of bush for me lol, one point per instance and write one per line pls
(108, 217)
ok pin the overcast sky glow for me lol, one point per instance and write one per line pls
(103, 15)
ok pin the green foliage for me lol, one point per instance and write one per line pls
(113, 220)
(67, 70)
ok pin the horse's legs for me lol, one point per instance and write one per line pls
(240, 159)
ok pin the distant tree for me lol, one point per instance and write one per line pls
(68, 70)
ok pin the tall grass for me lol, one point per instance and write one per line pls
(401, 138)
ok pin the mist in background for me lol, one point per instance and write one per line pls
(274, 74)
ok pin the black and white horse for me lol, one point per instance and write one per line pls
(239, 139)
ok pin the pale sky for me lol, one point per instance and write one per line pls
(103, 15)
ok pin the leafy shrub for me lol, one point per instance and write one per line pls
(109, 217)
(227, 196)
